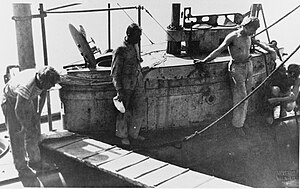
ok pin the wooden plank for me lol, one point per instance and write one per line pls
(106, 156)
(15, 185)
(220, 183)
(58, 143)
(98, 143)
(159, 176)
(80, 150)
(122, 162)
(7, 172)
(189, 179)
(142, 168)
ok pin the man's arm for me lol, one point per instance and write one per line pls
(25, 112)
(289, 98)
(42, 100)
(265, 47)
(116, 72)
(218, 50)
(296, 88)
(116, 69)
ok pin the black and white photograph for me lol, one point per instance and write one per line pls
(150, 94)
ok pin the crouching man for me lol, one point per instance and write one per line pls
(22, 118)
(285, 96)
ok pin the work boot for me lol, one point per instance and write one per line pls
(240, 132)
(140, 138)
(42, 166)
(125, 141)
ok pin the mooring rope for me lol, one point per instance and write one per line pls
(159, 23)
(243, 100)
(133, 22)
(178, 143)
(276, 21)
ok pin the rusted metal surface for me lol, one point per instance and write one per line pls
(177, 94)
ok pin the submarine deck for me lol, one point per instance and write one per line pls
(267, 157)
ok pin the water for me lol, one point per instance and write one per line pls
(62, 50)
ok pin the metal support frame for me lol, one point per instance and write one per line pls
(109, 28)
(139, 22)
(42, 14)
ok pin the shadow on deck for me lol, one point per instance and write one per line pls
(267, 157)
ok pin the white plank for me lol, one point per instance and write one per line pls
(122, 162)
(105, 156)
(161, 175)
(220, 183)
(189, 179)
(141, 168)
(79, 150)
(98, 143)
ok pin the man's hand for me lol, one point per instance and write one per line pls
(145, 69)
(120, 95)
(197, 61)
(272, 100)
(200, 64)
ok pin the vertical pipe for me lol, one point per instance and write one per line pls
(22, 17)
(254, 10)
(42, 13)
(109, 29)
(140, 22)
(174, 47)
(175, 19)
(265, 23)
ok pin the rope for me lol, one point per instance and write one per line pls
(277, 21)
(159, 24)
(133, 21)
(243, 100)
(178, 143)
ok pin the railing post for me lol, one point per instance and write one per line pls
(43, 15)
(140, 22)
(109, 29)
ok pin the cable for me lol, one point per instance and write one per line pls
(158, 23)
(277, 21)
(243, 100)
(178, 143)
(133, 21)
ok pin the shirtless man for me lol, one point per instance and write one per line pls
(286, 98)
(240, 67)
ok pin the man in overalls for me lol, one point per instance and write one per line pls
(128, 81)
(240, 67)
(22, 117)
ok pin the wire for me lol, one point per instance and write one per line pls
(158, 23)
(243, 100)
(134, 21)
(277, 21)
(178, 143)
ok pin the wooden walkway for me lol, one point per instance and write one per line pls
(134, 168)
